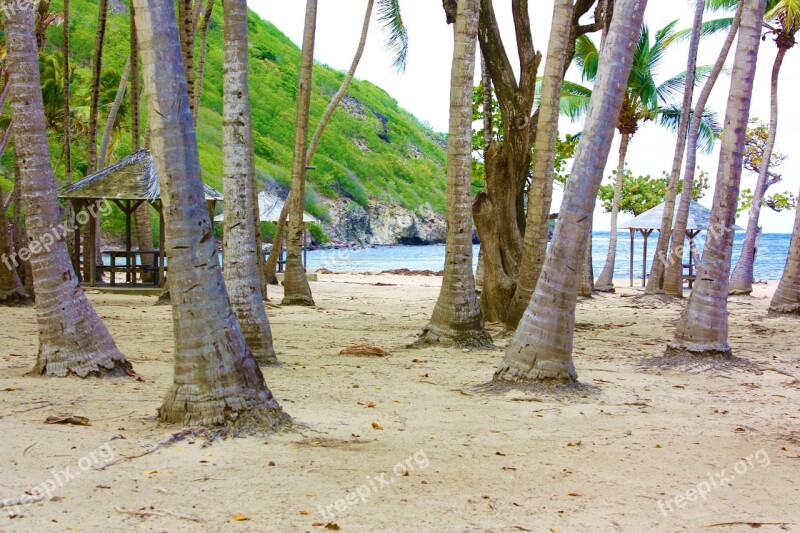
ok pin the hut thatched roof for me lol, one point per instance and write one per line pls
(269, 208)
(699, 218)
(131, 178)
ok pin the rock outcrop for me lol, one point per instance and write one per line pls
(381, 224)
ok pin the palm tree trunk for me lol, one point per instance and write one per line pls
(216, 380)
(787, 296)
(72, 338)
(296, 288)
(605, 283)
(67, 123)
(655, 283)
(141, 217)
(187, 35)
(201, 64)
(542, 344)
(742, 277)
(673, 275)
(586, 280)
(11, 290)
(97, 67)
(334, 103)
(541, 191)
(112, 113)
(703, 327)
(241, 252)
(456, 318)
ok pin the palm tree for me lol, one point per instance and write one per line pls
(457, 318)
(296, 288)
(787, 296)
(786, 14)
(141, 216)
(656, 280)
(537, 226)
(542, 344)
(201, 64)
(703, 327)
(397, 42)
(673, 275)
(97, 68)
(643, 101)
(216, 380)
(72, 338)
(111, 120)
(241, 270)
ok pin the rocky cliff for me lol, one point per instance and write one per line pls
(381, 224)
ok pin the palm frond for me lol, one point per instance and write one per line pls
(587, 57)
(396, 34)
(787, 13)
(673, 87)
(721, 5)
(575, 98)
(710, 127)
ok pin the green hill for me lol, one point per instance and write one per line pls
(371, 151)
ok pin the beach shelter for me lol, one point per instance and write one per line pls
(269, 210)
(127, 184)
(650, 221)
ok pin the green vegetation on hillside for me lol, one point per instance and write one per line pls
(371, 149)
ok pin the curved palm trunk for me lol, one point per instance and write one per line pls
(187, 34)
(673, 275)
(240, 248)
(67, 97)
(655, 283)
(216, 379)
(542, 345)
(277, 242)
(703, 327)
(11, 290)
(296, 288)
(72, 338)
(456, 318)
(787, 296)
(541, 190)
(605, 283)
(742, 277)
(112, 113)
(97, 67)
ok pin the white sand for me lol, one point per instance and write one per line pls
(475, 461)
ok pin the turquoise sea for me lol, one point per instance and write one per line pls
(773, 249)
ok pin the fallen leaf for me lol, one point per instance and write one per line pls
(239, 517)
(151, 472)
(375, 425)
(419, 360)
(304, 512)
(333, 526)
(658, 446)
(574, 443)
(574, 494)
(368, 404)
(500, 453)
(68, 419)
(425, 375)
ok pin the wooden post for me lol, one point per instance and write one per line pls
(76, 236)
(631, 267)
(92, 255)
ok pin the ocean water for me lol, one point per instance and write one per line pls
(771, 259)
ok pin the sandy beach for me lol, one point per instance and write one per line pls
(412, 442)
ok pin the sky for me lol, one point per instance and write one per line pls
(424, 87)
